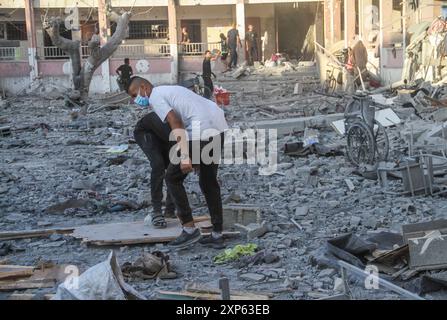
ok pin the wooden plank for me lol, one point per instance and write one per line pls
(26, 284)
(41, 278)
(13, 271)
(186, 295)
(197, 288)
(128, 233)
(22, 234)
(28, 296)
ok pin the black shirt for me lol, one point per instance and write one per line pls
(125, 70)
(232, 38)
(206, 68)
(251, 37)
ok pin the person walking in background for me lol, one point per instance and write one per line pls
(206, 75)
(233, 40)
(251, 45)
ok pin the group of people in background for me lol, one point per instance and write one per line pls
(230, 43)
(228, 54)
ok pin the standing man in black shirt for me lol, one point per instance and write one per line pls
(251, 44)
(124, 73)
(233, 41)
(206, 75)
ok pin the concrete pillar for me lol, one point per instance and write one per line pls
(240, 21)
(104, 33)
(336, 21)
(32, 41)
(318, 27)
(385, 8)
(361, 19)
(327, 23)
(173, 40)
(349, 21)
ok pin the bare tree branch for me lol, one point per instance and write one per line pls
(71, 47)
(82, 76)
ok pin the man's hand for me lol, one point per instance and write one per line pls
(186, 166)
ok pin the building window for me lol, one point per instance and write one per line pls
(2, 31)
(15, 31)
(146, 29)
(194, 30)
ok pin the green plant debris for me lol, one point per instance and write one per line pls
(235, 253)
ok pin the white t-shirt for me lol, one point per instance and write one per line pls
(202, 117)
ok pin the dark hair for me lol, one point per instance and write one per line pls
(126, 60)
(222, 36)
(207, 51)
(138, 80)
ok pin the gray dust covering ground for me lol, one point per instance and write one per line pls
(60, 155)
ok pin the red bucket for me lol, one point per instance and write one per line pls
(223, 98)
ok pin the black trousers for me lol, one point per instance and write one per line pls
(233, 57)
(252, 54)
(209, 87)
(152, 135)
(208, 184)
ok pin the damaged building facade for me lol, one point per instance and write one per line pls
(288, 27)
(152, 52)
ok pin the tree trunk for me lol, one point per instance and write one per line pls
(83, 74)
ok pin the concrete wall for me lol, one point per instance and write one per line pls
(15, 75)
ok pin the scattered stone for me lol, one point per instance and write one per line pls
(252, 277)
(302, 211)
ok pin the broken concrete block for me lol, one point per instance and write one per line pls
(240, 214)
(252, 230)
(349, 184)
(298, 89)
(355, 221)
(302, 211)
(440, 115)
(370, 222)
(338, 285)
(239, 72)
(252, 277)
(326, 273)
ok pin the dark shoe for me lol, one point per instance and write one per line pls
(185, 239)
(210, 241)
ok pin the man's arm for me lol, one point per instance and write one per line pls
(178, 129)
(118, 71)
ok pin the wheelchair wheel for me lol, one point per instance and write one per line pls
(360, 144)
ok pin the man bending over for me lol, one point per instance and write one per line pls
(182, 109)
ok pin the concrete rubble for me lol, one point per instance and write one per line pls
(56, 173)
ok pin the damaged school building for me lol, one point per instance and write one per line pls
(354, 208)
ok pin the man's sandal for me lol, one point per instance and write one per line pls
(159, 222)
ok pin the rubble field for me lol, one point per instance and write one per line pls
(54, 154)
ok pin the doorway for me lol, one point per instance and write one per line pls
(256, 23)
(294, 21)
